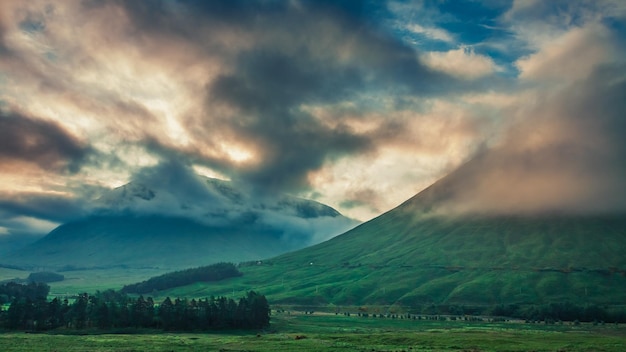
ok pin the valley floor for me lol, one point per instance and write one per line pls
(329, 332)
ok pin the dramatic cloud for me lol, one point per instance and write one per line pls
(563, 153)
(266, 94)
(357, 104)
(43, 143)
(46, 207)
(172, 188)
(575, 54)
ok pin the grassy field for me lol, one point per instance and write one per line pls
(8, 274)
(90, 281)
(324, 332)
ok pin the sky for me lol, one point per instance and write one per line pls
(355, 104)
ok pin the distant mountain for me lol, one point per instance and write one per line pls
(418, 255)
(137, 225)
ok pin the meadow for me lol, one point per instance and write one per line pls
(92, 280)
(294, 331)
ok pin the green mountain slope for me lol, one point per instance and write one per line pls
(411, 256)
(469, 261)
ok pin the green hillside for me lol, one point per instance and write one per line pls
(410, 257)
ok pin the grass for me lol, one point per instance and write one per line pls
(340, 333)
(99, 279)
(8, 274)
(90, 281)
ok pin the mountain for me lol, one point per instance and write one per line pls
(417, 255)
(10, 243)
(147, 225)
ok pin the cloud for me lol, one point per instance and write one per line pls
(324, 98)
(40, 142)
(169, 188)
(431, 32)
(19, 231)
(172, 188)
(177, 178)
(138, 82)
(45, 207)
(536, 24)
(573, 55)
(463, 63)
(226, 85)
(557, 150)
(264, 93)
(563, 154)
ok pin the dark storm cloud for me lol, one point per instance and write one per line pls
(296, 60)
(268, 89)
(47, 207)
(267, 81)
(285, 56)
(176, 177)
(43, 143)
(169, 188)
(162, 16)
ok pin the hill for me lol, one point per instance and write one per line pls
(213, 272)
(417, 256)
(138, 225)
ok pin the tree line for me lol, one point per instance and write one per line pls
(562, 311)
(111, 310)
(547, 312)
(45, 277)
(32, 291)
(214, 272)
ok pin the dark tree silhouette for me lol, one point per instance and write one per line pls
(110, 309)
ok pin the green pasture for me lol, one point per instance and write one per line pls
(99, 280)
(8, 274)
(328, 332)
(92, 280)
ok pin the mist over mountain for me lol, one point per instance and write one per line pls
(168, 217)
(172, 189)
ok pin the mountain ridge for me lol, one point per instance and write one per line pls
(138, 225)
